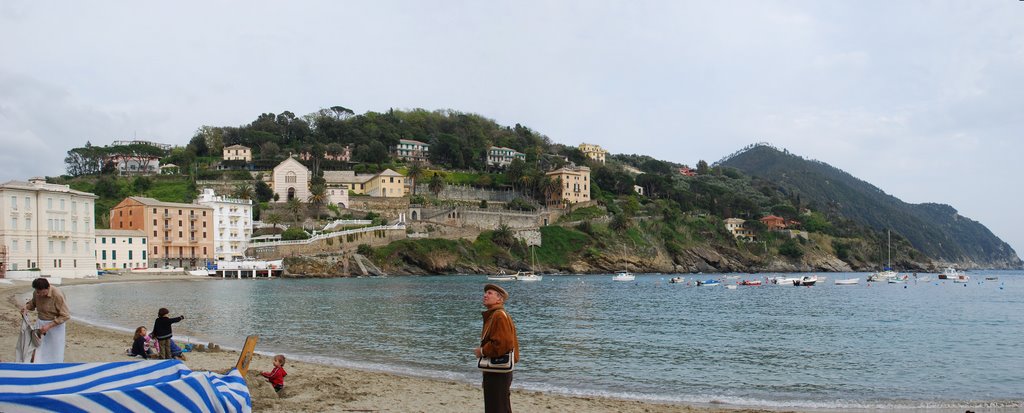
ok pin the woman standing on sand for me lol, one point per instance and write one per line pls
(497, 338)
(52, 311)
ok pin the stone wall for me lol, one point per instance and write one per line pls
(389, 208)
(469, 193)
(484, 218)
(334, 245)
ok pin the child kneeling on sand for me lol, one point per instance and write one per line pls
(276, 376)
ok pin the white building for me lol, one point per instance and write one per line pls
(120, 249)
(47, 229)
(502, 156)
(232, 224)
(291, 180)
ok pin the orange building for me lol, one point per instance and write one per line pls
(774, 223)
(180, 235)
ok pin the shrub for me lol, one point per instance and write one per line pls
(294, 233)
(791, 249)
(364, 249)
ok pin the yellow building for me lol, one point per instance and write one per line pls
(594, 152)
(387, 184)
(575, 186)
(237, 153)
(736, 227)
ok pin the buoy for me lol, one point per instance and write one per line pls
(904, 286)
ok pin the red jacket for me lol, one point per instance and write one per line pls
(276, 376)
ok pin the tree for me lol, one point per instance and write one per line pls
(273, 218)
(317, 198)
(702, 167)
(198, 145)
(243, 191)
(415, 172)
(295, 209)
(142, 184)
(436, 184)
(263, 191)
(269, 151)
(552, 189)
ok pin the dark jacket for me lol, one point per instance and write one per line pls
(139, 347)
(162, 327)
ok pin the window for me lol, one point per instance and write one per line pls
(143, 240)
(28, 223)
(113, 254)
(104, 254)
(143, 254)
(63, 247)
(14, 246)
(49, 203)
(14, 222)
(103, 240)
(156, 251)
(51, 246)
(129, 254)
(74, 246)
(154, 222)
(28, 245)
(129, 240)
(74, 206)
(62, 204)
(28, 202)
(14, 202)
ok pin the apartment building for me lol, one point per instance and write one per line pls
(387, 184)
(180, 235)
(47, 229)
(575, 186)
(594, 152)
(737, 228)
(502, 157)
(120, 249)
(410, 150)
(232, 224)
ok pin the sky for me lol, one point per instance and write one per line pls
(923, 99)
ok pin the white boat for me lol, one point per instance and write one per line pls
(783, 280)
(676, 280)
(806, 281)
(501, 277)
(528, 276)
(200, 272)
(887, 273)
(848, 281)
(962, 279)
(709, 283)
(730, 287)
(623, 276)
(950, 273)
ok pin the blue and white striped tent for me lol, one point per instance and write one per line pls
(124, 386)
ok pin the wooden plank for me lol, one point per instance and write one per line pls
(247, 351)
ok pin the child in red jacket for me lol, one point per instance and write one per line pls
(276, 376)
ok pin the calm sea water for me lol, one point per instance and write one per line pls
(927, 345)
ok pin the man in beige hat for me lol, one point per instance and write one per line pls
(497, 339)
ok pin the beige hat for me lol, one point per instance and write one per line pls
(497, 289)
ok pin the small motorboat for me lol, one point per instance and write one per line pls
(750, 282)
(676, 280)
(623, 276)
(709, 283)
(501, 277)
(962, 279)
(848, 281)
(806, 281)
(783, 280)
(730, 287)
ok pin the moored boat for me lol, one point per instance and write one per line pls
(676, 280)
(750, 282)
(623, 276)
(528, 276)
(709, 283)
(806, 281)
(783, 280)
(501, 277)
(848, 281)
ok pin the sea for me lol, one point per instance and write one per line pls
(927, 345)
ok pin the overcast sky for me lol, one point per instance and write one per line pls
(922, 99)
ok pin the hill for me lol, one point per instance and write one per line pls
(936, 230)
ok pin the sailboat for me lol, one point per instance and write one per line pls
(530, 275)
(887, 273)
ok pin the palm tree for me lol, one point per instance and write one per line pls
(415, 172)
(552, 187)
(436, 184)
(244, 191)
(273, 218)
(525, 179)
(294, 207)
(317, 198)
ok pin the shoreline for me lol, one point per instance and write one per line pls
(319, 386)
(323, 386)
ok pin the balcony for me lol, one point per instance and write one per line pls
(192, 217)
(167, 215)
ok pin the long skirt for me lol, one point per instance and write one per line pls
(51, 347)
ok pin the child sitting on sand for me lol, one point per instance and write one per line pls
(141, 344)
(276, 376)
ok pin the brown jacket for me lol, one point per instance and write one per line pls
(499, 333)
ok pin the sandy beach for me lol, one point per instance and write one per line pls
(314, 387)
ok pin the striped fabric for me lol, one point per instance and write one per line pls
(124, 386)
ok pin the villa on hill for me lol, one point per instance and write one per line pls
(575, 186)
(594, 152)
(237, 153)
(502, 157)
(736, 227)
(412, 151)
